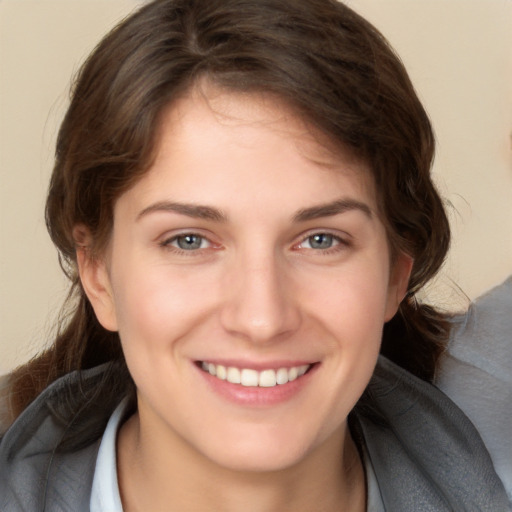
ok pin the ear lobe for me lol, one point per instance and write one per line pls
(95, 279)
(398, 283)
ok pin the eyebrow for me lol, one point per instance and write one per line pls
(214, 214)
(190, 210)
(331, 209)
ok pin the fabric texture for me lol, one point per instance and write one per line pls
(426, 454)
(476, 373)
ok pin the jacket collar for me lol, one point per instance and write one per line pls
(426, 454)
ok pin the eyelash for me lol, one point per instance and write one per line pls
(167, 244)
(340, 245)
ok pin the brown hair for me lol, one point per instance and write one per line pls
(337, 72)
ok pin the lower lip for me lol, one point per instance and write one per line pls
(257, 396)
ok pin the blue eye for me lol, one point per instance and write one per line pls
(188, 242)
(320, 241)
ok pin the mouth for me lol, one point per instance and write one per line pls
(251, 378)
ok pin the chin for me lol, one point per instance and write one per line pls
(260, 453)
(260, 462)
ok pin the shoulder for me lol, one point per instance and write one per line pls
(48, 455)
(482, 336)
(476, 372)
(423, 448)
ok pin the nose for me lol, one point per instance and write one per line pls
(259, 301)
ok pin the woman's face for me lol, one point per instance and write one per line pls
(251, 252)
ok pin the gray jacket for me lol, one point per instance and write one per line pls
(426, 454)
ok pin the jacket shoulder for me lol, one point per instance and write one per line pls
(48, 454)
(426, 454)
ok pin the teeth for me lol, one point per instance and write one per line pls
(249, 378)
(267, 379)
(221, 372)
(282, 376)
(252, 378)
(233, 375)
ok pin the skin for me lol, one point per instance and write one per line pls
(258, 289)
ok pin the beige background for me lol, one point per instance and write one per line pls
(458, 52)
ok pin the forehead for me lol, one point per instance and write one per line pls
(212, 141)
(241, 111)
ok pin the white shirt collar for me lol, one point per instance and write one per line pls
(105, 495)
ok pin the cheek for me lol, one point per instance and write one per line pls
(349, 312)
(156, 307)
(353, 299)
(351, 307)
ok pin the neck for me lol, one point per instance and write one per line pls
(174, 477)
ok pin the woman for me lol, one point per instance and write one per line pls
(242, 201)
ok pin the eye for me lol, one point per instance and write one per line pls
(320, 241)
(187, 242)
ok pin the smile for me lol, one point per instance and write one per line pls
(253, 378)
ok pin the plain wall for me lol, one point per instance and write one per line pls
(458, 53)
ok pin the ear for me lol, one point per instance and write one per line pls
(398, 283)
(95, 279)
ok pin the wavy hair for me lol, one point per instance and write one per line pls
(332, 67)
